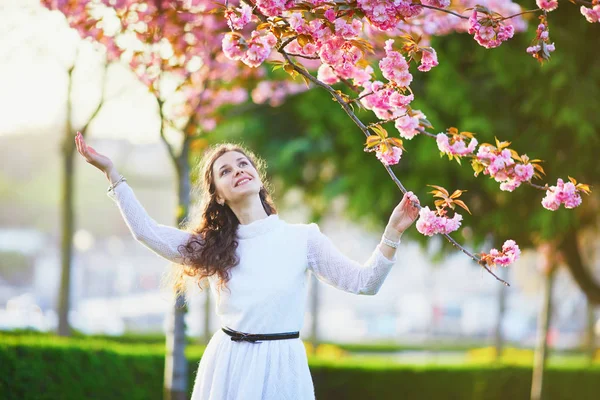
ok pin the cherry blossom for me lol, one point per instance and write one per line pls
(430, 223)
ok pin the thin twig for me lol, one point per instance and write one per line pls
(303, 56)
(533, 185)
(290, 40)
(446, 11)
(424, 132)
(347, 83)
(583, 3)
(521, 13)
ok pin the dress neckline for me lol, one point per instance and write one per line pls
(258, 227)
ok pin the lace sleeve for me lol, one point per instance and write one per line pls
(161, 239)
(334, 268)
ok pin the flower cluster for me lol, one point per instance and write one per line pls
(386, 15)
(385, 101)
(520, 173)
(509, 254)
(488, 31)
(496, 161)
(455, 145)
(394, 66)
(408, 125)
(541, 47)
(431, 223)
(273, 8)
(499, 164)
(562, 193)
(253, 52)
(591, 14)
(547, 5)
(390, 156)
(238, 18)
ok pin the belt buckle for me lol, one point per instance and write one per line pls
(245, 337)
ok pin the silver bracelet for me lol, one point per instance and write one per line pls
(114, 185)
(389, 242)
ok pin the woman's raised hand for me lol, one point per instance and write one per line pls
(98, 160)
(404, 214)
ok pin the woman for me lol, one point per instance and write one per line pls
(257, 266)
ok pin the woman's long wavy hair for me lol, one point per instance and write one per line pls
(212, 248)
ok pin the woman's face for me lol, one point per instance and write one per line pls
(235, 177)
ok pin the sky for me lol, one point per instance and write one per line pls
(37, 49)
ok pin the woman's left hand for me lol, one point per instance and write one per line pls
(405, 213)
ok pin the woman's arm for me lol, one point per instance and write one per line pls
(161, 239)
(332, 267)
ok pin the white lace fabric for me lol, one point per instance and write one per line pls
(334, 268)
(161, 239)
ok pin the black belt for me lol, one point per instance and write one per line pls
(257, 338)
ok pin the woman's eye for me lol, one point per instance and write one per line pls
(243, 163)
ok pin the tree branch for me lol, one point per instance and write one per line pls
(364, 129)
(162, 129)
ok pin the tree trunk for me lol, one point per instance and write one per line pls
(590, 334)
(314, 312)
(67, 219)
(541, 350)
(498, 337)
(582, 275)
(176, 367)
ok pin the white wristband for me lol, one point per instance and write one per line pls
(389, 242)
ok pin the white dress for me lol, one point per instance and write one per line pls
(267, 294)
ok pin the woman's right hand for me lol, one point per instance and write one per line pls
(98, 160)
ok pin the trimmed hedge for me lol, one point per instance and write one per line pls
(37, 367)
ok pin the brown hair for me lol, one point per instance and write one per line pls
(211, 249)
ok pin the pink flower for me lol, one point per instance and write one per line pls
(330, 14)
(458, 148)
(524, 172)
(232, 46)
(253, 52)
(509, 254)
(386, 15)
(407, 126)
(428, 59)
(326, 75)
(346, 30)
(591, 14)
(562, 193)
(259, 48)
(430, 223)
(239, 17)
(273, 8)
(391, 157)
(394, 66)
(399, 100)
(486, 35)
(298, 23)
(437, 3)
(547, 5)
